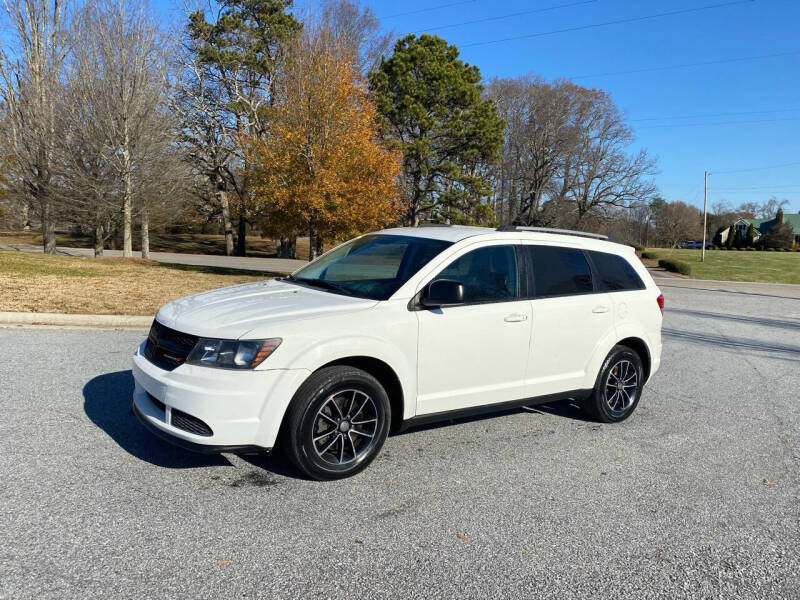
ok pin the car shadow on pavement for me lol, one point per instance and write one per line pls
(562, 408)
(107, 402)
(569, 409)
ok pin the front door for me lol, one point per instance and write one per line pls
(476, 353)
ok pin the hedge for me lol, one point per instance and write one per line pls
(650, 255)
(676, 266)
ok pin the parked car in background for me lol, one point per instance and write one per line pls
(397, 328)
(696, 245)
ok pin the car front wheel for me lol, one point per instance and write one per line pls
(618, 388)
(337, 423)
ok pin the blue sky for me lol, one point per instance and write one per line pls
(729, 116)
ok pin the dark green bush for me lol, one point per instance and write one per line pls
(650, 255)
(638, 248)
(750, 248)
(676, 266)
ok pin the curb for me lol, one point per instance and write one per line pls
(110, 321)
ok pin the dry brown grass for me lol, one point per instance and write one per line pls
(64, 284)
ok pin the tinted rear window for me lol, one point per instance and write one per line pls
(560, 271)
(614, 273)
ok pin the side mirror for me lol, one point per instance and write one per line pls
(443, 292)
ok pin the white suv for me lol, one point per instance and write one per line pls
(396, 328)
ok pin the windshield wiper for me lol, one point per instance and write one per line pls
(329, 285)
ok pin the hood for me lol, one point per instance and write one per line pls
(233, 311)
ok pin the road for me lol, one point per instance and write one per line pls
(247, 263)
(696, 496)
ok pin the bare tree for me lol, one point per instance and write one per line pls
(89, 179)
(357, 28)
(161, 175)
(565, 155)
(676, 221)
(599, 172)
(127, 48)
(538, 135)
(31, 84)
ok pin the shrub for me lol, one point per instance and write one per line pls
(638, 248)
(770, 249)
(650, 255)
(676, 266)
(750, 248)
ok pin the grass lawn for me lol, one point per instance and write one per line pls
(733, 265)
(66, 284)
(185, 243)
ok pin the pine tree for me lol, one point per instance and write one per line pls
(433, 108)
(738, 239)
(241, 53)
(730, 238)
(750, 239)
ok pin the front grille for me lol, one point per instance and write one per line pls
(189, 423)
(167, 348)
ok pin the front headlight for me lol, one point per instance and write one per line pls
(232, 354)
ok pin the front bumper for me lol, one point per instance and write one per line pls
(194, 447)
(243, 410)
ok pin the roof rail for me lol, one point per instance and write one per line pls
(587, 234)
(435, 225)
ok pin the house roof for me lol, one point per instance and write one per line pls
(764, 225)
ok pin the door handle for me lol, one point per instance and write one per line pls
(516, 318)
(600, 309)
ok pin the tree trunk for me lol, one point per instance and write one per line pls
(222, 198)
(241, 238)
(26, 221)
(287, 247)
(98, 241)
(127, 216)
(145, 233)
(318, 247)
(312, 245)
(48, 228)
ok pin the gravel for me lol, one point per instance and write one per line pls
(696, 496)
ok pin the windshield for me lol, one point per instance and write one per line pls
(372, 266)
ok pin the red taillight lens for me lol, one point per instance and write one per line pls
(660, 301)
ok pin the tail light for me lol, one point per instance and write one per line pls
(660, 301)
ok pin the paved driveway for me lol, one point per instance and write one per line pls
(275, 265)
(696, 496)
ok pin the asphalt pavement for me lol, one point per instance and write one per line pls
(697, 495)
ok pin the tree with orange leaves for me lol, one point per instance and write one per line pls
(322, 170)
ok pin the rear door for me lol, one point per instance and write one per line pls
(615, 275)
(570, 317)
(476, 353)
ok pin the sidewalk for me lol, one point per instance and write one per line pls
(664, 278)
(274, 265)
(71, 320)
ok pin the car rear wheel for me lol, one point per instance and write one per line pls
(336, 423)
(618, 388)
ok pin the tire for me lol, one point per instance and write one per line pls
(337, 423)
(618, 387)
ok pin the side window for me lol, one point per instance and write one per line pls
(615, 273)
(560, 271)
(487, 274)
